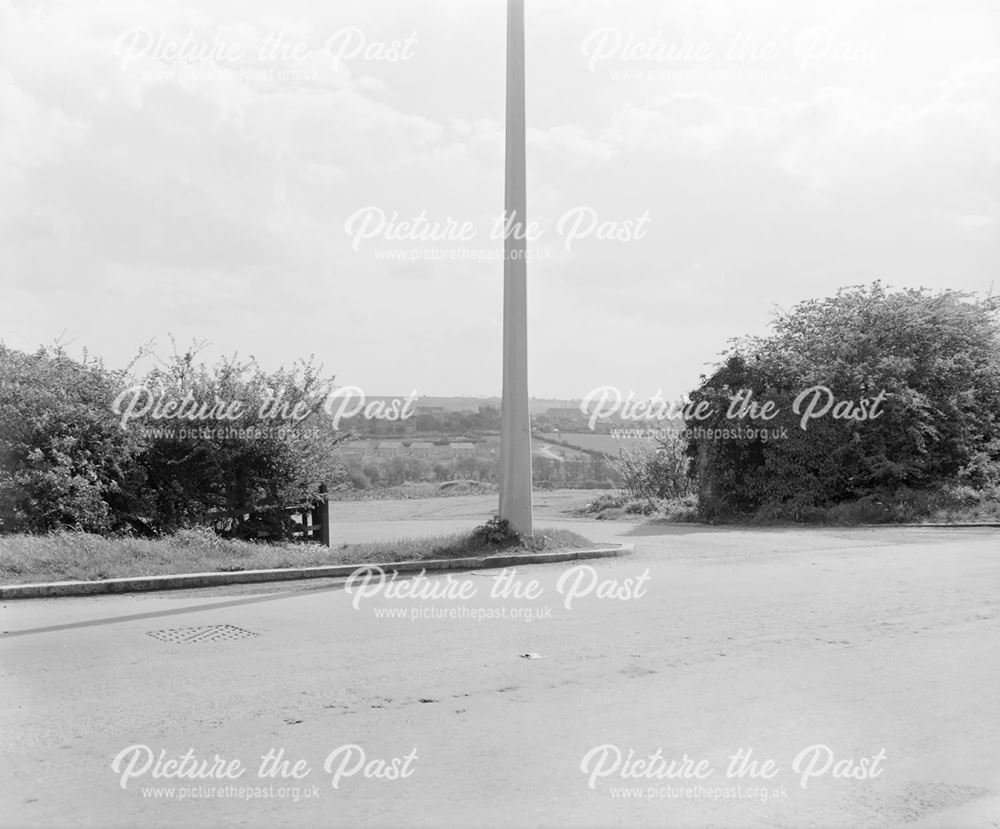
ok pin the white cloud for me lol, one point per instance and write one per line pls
(213, 206)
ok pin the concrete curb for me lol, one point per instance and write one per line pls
(953, 526)
(935, 526)
(180, 581)
(805, 527)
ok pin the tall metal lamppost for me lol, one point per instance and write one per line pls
(515, 424)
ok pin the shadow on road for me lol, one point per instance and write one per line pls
(669, 528)
(176, 611)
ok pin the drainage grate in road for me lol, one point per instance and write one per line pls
(210, 633)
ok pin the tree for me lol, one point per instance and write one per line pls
(934, 358)
(232, 445)
(265, 443)
(657, 471)
(64, 461)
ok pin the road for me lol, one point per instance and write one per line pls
(829, 647)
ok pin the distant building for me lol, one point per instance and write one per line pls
(389, 449)
(353, 450)
(441, 451)
(463, 450)
(421, 449)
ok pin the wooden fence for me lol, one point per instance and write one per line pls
(310, 522)
(315, 522)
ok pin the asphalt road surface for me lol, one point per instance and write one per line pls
(854, 675)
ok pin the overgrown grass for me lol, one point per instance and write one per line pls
(620, 506)
(950, 504)
(944, 504)
(69, 556)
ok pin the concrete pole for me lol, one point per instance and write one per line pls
(515, 445)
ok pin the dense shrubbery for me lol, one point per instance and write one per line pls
(659, 471)
(935, 356)
(68, 457)
(288, 458)
(64, 461)
(497, 532)
(620, 505)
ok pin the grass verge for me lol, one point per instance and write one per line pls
(617, 506)
(70, 556)
(945, 504)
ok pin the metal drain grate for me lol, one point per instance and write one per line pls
(211, 633)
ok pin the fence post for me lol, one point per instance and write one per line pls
(307, 521)
(323, 514)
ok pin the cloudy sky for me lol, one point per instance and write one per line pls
(244, 173)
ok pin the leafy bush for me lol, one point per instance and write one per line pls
(201, 537)
(242, 477)
(935, 356)
(681, 509)
(85, 448)
(658, 471)
(611, 500)
(641, 506)
(64, 462)
(616, 506)
(945, 503)
(497, 532)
